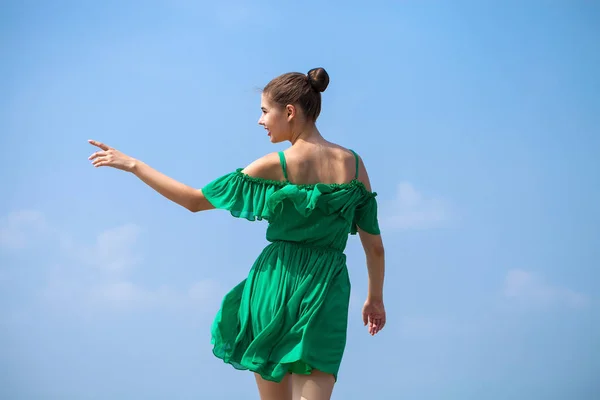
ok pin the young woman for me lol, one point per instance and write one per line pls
(287, 320)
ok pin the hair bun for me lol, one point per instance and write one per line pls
(318, 79)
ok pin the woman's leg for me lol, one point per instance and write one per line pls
(269, 390)
(316, 386)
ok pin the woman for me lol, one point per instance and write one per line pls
(287, 320)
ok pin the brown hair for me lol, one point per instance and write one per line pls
(299, 89)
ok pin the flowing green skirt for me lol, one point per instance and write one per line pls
(290, 314)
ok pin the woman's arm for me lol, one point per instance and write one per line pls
(373, 246)
(184, 195)
(373, 310)
(375, 254)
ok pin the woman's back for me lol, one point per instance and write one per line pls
(310, 163)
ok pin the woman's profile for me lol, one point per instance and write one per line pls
(287, 320)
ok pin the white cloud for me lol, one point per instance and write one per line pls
(113, 250)
(120, 294)
(18, 228)
(531, 289)
(96, 276)
(127, 296)
(411, 210)
(64, 295)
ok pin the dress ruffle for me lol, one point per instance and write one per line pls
(255, 198)
(242, 195)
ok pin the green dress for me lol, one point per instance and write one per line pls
(290, 314)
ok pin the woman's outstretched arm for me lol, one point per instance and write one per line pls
(184, 195)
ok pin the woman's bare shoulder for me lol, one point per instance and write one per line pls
(265, 167)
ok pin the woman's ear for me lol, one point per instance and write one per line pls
(291, 111)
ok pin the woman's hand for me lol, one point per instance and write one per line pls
(374, 314)
(109, 157)
(184, 195)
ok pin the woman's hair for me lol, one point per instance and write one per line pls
(299, 89)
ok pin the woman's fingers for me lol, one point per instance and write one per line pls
(380, 324)
(376, 323)
(99, 144)
(373, 317)
(99, 158)
(97, 154)
(98, 162)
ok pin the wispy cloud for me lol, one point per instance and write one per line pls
(127, 296)
(412, 210)
(113, 250)
(531, 289)
(85, 296)
(97, 275)
(19, 228)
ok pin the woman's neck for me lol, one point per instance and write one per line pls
(308, 134)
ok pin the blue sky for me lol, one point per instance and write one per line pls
(479, 127)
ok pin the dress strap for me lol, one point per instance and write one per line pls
(283, 164)
(356, 158)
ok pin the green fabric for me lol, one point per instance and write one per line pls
(283, 164)
(290, 313)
